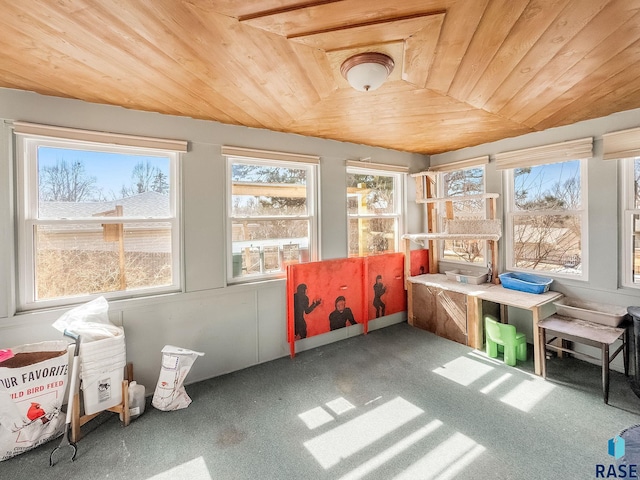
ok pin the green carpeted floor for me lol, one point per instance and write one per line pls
(398, 403)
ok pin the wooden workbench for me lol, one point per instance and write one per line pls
(474, 295)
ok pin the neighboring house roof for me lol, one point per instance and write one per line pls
(147, 204)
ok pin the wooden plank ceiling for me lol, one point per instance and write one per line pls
(466, 71)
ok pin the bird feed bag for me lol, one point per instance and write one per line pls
(32, 386)
(176, 363)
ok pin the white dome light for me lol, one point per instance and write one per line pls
(367, 71)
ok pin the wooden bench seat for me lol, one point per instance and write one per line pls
(587, 333)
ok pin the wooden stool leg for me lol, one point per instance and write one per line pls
(542, 338)
(126, 417)
(605, 372)
(75, 418)
(625, 351)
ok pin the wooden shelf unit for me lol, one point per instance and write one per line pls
(426, 194)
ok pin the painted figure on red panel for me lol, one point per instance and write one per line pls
(301, 306)
(341, 315)
(378, 290)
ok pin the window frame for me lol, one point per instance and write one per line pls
(27, 216)
(399, 200)
(629, 209)
(440, 187)
(510, 212)
(271, 159)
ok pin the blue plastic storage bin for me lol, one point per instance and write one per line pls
(525, 282)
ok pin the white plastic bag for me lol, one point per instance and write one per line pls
(89, 320)
(170, 393)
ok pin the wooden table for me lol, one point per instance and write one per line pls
(492, 293)
(588, 333)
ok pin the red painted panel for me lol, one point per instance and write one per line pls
(386, 294)
(419, 262)
(324, 296)
(325, 283)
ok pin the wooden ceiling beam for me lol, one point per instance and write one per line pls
(395, 21)
(284, 9)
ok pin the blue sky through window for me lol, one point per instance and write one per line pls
(111, 170)
(543, 178)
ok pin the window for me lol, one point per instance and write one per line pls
(547, 218)
(631, 228)
(374, 210)
(271, 212)
(546, 208)
(461, 183)
(625, 145)
(94, 218)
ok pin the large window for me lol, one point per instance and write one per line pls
(631, 228)
(271, 212)
(625, 145)
(374, 209)
(546, 218)
(456, 184)
(95, 219)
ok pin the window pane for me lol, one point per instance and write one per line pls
(548, 187)
(81, 183)
(471, 251)
(80, 259)
(370, 194)
(636, 182)
(264, 246)
(636, 248)
(548, 243)
(469, 208)
(469, 181)
(259, 190)
(461, 183)
(371, 235)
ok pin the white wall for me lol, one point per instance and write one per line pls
(604, 218)
(236, 326)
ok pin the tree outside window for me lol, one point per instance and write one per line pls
(547, 218)
(271, 213)
(373, 209)
(461, 183)
(631, 229)
(95, 221)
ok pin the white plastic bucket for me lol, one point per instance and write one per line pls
(102, 365)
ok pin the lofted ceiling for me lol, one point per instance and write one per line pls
(466, 71)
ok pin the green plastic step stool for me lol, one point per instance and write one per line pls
(503, 337)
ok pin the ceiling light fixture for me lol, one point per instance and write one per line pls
(367, 71)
